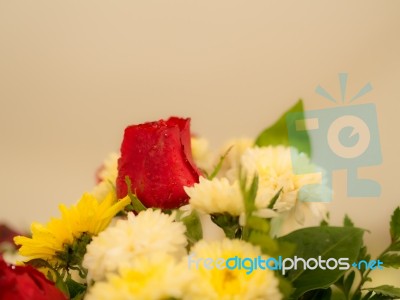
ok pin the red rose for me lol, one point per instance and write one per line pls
(26, 283)
(157, 157)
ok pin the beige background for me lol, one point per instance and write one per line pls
(73, 74)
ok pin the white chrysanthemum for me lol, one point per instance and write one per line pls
(202, 155)
(107, 176)
(157, 278)
(304, 214)
(150, 233)
(273, 165)
(220, 283)
(216, 196)
(236, 147)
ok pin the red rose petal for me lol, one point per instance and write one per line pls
(26, 283)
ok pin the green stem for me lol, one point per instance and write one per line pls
(364, 276)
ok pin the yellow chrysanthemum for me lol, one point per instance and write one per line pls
(88, 216)
(157, 278)
(221, 284)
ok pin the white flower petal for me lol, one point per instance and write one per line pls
(150, 233)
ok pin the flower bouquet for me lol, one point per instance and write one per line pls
(169, 219)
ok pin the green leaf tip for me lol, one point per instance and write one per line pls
(136, 205)
(387, 291)
(278, 133)
(395, 225)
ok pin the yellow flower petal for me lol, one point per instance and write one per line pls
(87, 216)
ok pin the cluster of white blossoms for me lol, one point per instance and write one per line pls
(294, 195)
(144, 257)
(149, 234)
(157, 278)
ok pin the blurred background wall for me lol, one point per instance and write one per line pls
(74, 74)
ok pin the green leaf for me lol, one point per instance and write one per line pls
(327, 242)
(321, 294)
(267, 244)
(274, 199)
(366, 296)
(38, 263)
(194, 231)
(364, 255)
(285, 287)
(249, 194)
(348, 282)
(347, 222)
(391, 260)
(259, 234)
(395, 225)
(219, 165)
(62, 286)
(249, 198)
(395, 246)
(229, 224)
(337, 294)
(52, 273)
(277, 134)
(325, 222)
(286, 249)
(79, 296)
(137, 206)
(75, 289)
(386, 290)
(257, 223)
